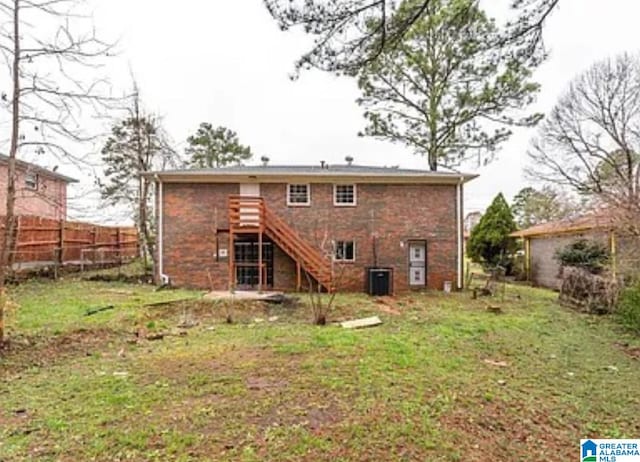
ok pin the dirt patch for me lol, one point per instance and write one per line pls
(388, 305)
(23, 352)
(220, 311)
(246, 388)
(499, 431)
(632, 351)
(261, 383)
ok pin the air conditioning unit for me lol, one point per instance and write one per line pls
(379, 281)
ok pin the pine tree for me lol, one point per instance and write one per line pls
(443, 91)
(490, 243)
(213, 148)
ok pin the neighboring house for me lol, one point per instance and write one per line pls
(330, 223)
(470, 222)
(541, 242)
(39, 191)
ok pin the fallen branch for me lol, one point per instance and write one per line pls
(93, 311)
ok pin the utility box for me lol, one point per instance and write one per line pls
(379, 281)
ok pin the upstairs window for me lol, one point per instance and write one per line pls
(31, 181)
(344, 194)
(298, 194)
(345, 251)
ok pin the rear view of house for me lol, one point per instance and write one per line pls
(344, 227)
(39, 191)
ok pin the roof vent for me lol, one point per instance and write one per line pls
(349, 160)
(265, 160)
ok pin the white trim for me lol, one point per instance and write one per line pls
(198, 177)
(160, 229)
(299, 204)
(341, 204)
(460, 230)
(251, 189)
(33, 183)
(344, 260)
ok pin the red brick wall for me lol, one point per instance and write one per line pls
(396, 214)
(191, 214)
(48, 201)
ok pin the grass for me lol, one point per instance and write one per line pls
(444, 380)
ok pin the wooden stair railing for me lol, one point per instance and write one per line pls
(251, 215)
(246, 214)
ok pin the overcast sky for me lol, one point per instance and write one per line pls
(227, 63)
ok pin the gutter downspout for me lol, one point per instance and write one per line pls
(164, 279)
(460, 231)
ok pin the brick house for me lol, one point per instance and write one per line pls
(328, 224)
(39, 191)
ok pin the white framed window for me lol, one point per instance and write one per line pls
(344, 194)
(345, 251)
(31, 180)
(298, 194)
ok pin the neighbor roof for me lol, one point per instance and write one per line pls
(313, 173)
(587, 222)
(38, 169)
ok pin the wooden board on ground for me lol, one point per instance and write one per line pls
(360, 323)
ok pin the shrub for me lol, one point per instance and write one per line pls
(592, 293)
(629, 307)
(589, 255)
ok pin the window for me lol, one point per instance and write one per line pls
(31, 180)
(298, 194)
(344, 194)
(345, 251)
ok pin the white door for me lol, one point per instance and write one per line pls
(250, 189)
(250, 212)
(417, 263)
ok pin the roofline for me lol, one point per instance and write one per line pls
(559, 231)
(40, 170)
(196, 176)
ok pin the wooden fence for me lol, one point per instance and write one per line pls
(44, 240)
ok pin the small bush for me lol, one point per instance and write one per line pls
(629, 307)
(589, 255)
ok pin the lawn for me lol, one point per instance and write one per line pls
(441, 379)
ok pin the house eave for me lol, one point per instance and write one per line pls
(559, 232)
(38, 169)
(329, 177)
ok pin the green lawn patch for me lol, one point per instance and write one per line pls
(443, 380)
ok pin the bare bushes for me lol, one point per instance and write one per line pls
(592, 293)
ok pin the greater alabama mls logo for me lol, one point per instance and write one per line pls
(610, 450)
(589, 451)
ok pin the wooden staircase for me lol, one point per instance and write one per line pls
(250, 215)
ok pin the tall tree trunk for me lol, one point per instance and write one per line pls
(8, 235)
(145, 229)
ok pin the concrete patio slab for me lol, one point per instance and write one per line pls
(241, 295)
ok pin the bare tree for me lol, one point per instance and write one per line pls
(47, 103)
(138, 144)
(591, 140)
(352, 33)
